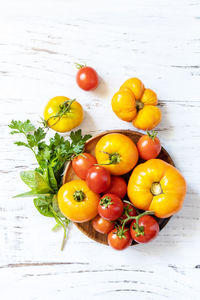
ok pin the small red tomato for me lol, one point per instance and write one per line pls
(119, 241)
(86, 78)
(82, 163)
(98, 179)
(128, 210)
(117, 187)
(147, 230)
(110, 207)
(149, 146)
(101, 225)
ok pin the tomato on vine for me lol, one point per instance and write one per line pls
(119, 240)
(86, 78)
(145, 229)
(110, 207)
(128, 211)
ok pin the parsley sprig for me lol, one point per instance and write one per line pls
(45, 181)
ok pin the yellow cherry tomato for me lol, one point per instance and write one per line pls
(77, 202)
(135, 103)
(117, 153)
(157, 186)
(63, 114)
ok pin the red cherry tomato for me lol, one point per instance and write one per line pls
(117, 187)
(98, 179)
(110, 207)
(149, 146)
(128, 210)
(147, 230)
(82, 163)
(119, 242)
(87, 78)
(101, 225)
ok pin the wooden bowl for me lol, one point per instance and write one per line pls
(69, 175)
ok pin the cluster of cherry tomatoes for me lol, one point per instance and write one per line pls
(117, 217)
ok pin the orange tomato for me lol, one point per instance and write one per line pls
(135, 103)
(117, 153)
(157, 186)
(77, 202)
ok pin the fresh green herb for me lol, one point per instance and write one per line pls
(45, 180)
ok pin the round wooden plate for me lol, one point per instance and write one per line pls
(69, 175)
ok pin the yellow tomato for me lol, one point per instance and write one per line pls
(63, 114)
(77, 202)
(135, 85)
(157, 186)
(135, 103)
(123, 105)
(117, 153)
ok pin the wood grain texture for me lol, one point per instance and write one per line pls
(157, 41)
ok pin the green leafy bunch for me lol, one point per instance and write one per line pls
(45, 181)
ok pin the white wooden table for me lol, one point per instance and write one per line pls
(157, 41)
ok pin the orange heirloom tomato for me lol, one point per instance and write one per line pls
(117, 153)
(77, 202)
(135, 103)
(135, 85)
(157, 186)
(63, 114)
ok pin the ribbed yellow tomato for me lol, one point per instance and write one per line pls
(77, 202)
(117, 153)
(157, 186)
(63, 114)
(135, 103)
(135, 85)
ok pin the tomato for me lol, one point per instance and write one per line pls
(63, 114)
(87, 78)
(128, 210)
(98, 179)
(82, 163)
(101, 225)
(157, 186)
(77, 202)
(149, 146)
(119, 242)
(133, 103)
(146, 230)
(117, 187)
(110, 207)
(117, 153)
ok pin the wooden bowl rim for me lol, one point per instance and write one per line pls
(122, 131)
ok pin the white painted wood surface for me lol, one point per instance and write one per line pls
(157, 41)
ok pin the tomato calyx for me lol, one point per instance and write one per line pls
(152, 134)
(120, 232)
(64, 108)
(138, 229)
(79, 195)
(105, 201)
(156, 189)
(79, 66)
(114, 159)
(139, 105)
